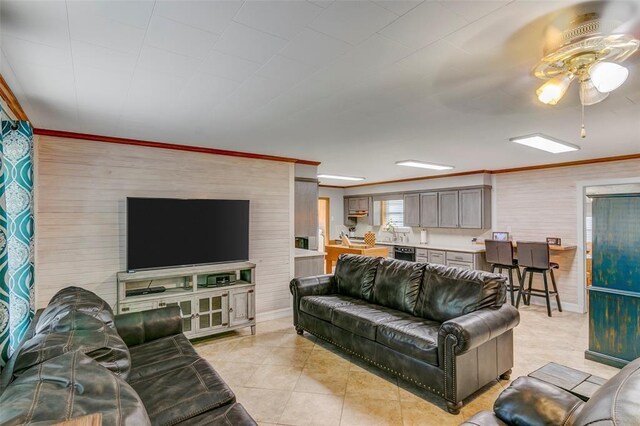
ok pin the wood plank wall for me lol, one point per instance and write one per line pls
(81, 187)
(543, 203)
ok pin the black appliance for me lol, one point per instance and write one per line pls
(302, 243)
(404, 253)
(165, 232)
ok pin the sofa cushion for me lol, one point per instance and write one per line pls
(448, 292)
(397, 284)
(322, 306)
(79, 332)
(74, 299)
(355, 275)
(231, 415)
(189, 388)
(68, 386)
(363, 319)
(414, 337)
(529, 401)
(158, 356)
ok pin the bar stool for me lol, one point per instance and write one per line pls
(500, 255)
(534, 257)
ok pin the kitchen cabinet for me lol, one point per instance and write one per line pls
(471, 211)
(429, 210)
(461, 265)
(358, 204)
(306, 210)
(437, 256)
(411, 210)
(422, 255)
(348, 221)
(448, 209)
(308, 266)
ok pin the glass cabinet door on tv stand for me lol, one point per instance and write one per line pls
(205, 309)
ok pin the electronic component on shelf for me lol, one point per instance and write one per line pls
(146, 290)
(214, 280)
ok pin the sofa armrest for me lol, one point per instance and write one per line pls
(473, 329)
(309, 286)
(529, 401)
(137, 328)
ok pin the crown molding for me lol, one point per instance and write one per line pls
(176, 147)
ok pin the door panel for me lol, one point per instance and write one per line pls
(448, 209)
(471, 208)
(429, 210)
(411, 210)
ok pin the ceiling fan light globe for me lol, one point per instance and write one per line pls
(553, 90)
(607, 76)
(589, 95)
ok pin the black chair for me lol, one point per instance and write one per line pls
(534, 258)
(500, 255)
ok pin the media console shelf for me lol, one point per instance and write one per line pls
(207, 307)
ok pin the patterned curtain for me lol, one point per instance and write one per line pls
(16, 235)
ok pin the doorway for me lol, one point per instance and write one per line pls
(324, 206)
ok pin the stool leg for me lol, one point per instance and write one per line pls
(530, 287)
(511, 286)
(546, 292)
(521, 292)
(555, 288)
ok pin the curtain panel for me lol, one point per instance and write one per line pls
(16, 235)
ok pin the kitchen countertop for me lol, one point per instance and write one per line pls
(307, 253)
(464, 248)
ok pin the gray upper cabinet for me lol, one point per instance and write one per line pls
(411, 210)
(470, 208)
(357, 204)
(448, 209)
(429, 210)
(348, 221)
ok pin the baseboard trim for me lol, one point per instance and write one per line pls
(568, 307)
(605, 359)
(271, 315)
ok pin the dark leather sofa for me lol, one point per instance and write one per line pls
(447, 330)
(529, 401)
(136, 369)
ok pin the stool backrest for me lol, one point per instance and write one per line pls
(533, 254)
(499, 252)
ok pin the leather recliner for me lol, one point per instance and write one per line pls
(529, 401)
(447, 330)
(77, 358)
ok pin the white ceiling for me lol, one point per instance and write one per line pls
(357, 85)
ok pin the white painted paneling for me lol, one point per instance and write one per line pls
(80, 210)
(537, 204)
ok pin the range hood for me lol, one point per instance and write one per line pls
(358, 213)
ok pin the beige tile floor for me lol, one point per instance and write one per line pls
(283, 378)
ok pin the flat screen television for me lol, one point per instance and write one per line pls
(165, 232)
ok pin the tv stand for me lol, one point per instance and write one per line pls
(207, 307)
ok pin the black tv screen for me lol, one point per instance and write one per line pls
(164, 232)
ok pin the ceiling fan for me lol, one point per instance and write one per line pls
(590, 50)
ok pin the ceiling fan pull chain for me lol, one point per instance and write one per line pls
(583, 131)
